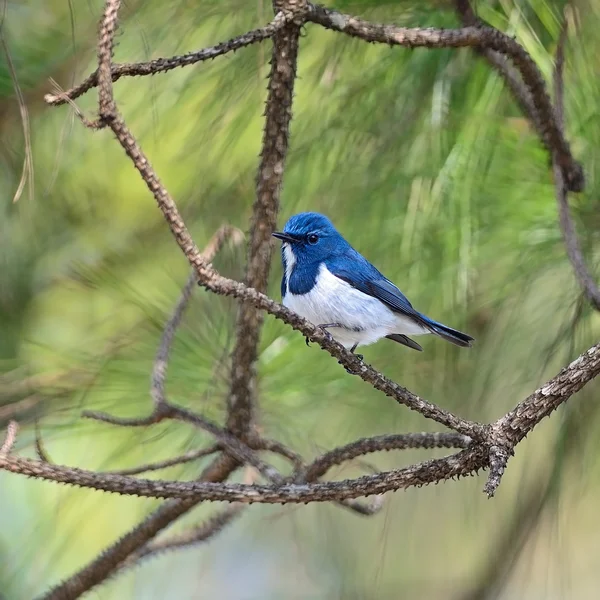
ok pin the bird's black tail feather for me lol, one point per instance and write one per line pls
(450, 335)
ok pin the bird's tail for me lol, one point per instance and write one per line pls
(450, 335)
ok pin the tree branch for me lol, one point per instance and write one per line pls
(403, 441)
(479, 37)
(107, 563)
(178, 460)
(161, 65)
(278, 112)
(565, 219)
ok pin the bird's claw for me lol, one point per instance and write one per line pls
(307, 340)
(328, 335)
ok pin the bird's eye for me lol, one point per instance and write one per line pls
(313, 238)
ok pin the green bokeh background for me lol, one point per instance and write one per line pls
(424, 163)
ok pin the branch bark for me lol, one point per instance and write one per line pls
(278, 112)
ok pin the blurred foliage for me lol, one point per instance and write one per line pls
(424, 163)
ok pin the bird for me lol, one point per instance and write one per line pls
(329, 283)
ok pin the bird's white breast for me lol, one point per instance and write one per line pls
(364, 318)
(290, 262)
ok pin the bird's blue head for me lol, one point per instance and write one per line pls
(311, 238)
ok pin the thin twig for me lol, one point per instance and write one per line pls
(163, 464)
(9, 439)
(279, 448)
(161, 65)
(381, 443)
(196, 535)
(40, 449)
(565, 219)
(168, 410)
(159, 370)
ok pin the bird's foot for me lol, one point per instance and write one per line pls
(359, 356)
(325, 328)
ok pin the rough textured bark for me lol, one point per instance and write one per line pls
(278, 113)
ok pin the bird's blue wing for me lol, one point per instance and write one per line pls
(362, 275)
(356, 270)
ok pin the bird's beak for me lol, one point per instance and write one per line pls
(283, 236)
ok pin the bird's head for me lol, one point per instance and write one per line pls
(311, 237)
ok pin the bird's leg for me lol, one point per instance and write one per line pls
(326, 326)
(359, 356)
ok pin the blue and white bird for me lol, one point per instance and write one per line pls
(326, 281)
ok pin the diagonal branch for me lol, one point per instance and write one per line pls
(159, 371)
(565, 219)
(108, 562)
(238, 449)
(196, 535)
(161, 65)
(278, 112)
(473, 36)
